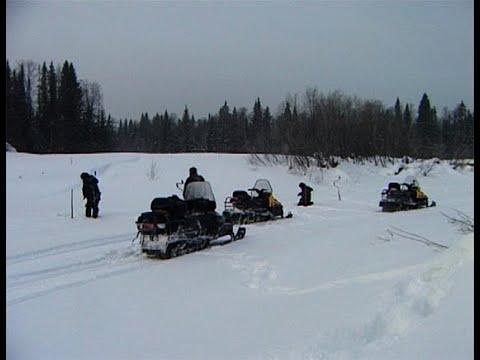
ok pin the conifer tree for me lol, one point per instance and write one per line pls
(168, 142)
(70, 111)
(398, 130)
(224, 128)
(284, 133)
(267, 129)
(427, 129)
(239, 130)
(186, 132)
(11, 127)
(407, 121)
(462, 131)
(448, 135)
(156, 130)
(422, 126)
(43, 120)
(212, 134)
(19, 117)
(52, 133)
(257, 129)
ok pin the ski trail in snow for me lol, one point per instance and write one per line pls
(18, 279)
(64, 248)
(59, 267)
(367, 278)
(45, 289)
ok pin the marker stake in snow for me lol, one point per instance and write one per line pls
(338, 189)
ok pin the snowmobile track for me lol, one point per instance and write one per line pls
(64, 249)
(53, 271)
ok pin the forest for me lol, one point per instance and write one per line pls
(49, 110)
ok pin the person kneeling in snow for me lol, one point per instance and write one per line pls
(305, 195)
(91, 192)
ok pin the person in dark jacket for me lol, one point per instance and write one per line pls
(92, 193)
(193, 176)
(305, 195)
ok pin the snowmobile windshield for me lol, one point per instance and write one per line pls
(262, 184)
(199, 190)
(411, 180)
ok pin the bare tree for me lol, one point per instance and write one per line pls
(92, 94)
(462, 222)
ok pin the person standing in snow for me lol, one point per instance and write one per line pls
(305, 195)
(92, 193)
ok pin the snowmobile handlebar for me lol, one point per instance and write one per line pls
(259, 191)
(179, 185)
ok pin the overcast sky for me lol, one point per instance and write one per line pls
(152, 56)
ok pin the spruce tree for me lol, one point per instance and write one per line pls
(168, 142)
(267, 130)
(11, 127)
(423, 126)
(43, 120)
(19, 117)
(407, 122)
(52, 133)
(257, 129)
(463, 131)
(224, 128)
(186, 132)
(398, 130)
(239, 130)
(70, 111)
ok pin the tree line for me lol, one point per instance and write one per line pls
(49, 110)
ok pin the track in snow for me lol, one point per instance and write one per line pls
(69, 265)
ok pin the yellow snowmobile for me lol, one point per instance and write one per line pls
(404, 196)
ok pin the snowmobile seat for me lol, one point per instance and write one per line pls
(260, 202)
(393, 186)
(201, 205)
(413, 187)
(168, 208)
(240, 199)
(241, 195)
(210, 222)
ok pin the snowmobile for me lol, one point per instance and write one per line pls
(404, 196)
(259, 205)
(177, 226)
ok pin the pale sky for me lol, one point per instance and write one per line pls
(152, 56)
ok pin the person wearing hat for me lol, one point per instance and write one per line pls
(305, 195)
(193, 176)
(92, 193)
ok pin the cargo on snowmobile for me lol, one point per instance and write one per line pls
(404, 196)
(175, 227)
(259, 205)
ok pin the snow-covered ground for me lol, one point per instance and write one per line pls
(339, 280)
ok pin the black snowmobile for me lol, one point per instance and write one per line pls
(404, 196)
(175, 227)
(259, 205)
